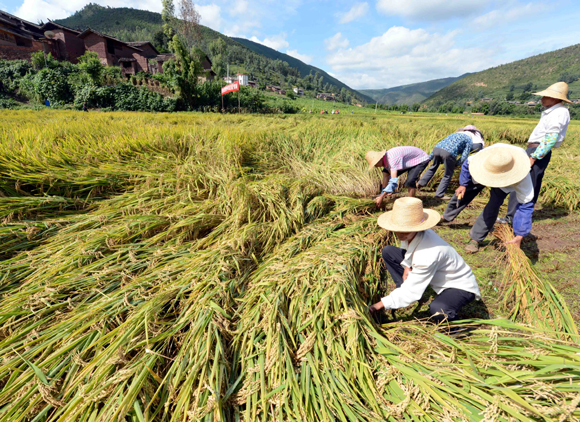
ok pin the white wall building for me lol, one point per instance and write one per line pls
(243, 79)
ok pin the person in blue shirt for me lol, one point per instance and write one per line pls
(505, 169)
(446, 152)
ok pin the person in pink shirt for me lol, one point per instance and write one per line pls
(396, 161)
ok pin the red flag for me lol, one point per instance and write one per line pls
(231, 88)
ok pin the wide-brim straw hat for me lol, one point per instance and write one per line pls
(499, 166)
(559, 90)
(470, 128)
(373, 157)
(409, 216)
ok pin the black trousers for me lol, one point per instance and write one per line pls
(537, 174)
(455, 205)
(476, 148)
(445, 306)
(486, 220)
(440, 156)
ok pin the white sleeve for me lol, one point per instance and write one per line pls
(413, 287)
(525, 190)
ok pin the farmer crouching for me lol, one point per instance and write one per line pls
(397, 161)
(506, 169)
(424, 259)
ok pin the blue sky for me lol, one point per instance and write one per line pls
(375, 44)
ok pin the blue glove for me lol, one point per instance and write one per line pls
(392, 186)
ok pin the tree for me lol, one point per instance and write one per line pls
(218, 49)
(168, 17)
(92, 66)
(187, 23)
(415, 107)
(568, 77)
(528, 87)
(509, 96)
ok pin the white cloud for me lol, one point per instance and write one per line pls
(277, 42)
(302, 57)
(502, 16)
(240, 8)
(356, 11)
(335, 42)
(210, 16)
(431, 10)
(401, 56)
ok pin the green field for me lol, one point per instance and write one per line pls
(185, 267)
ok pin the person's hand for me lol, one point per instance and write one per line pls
(532, 161)
(376, 307)
(406, 273)
(515, 241)
(460, 192)
(379, 199)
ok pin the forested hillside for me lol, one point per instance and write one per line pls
(409, 94)
(129, 24)
(516, 81)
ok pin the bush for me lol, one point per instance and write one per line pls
(49, 84)
(11, 72)
(90, 64)
(123, 97)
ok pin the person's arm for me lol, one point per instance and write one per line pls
(413, 288)
(545, 147)
(465, 175)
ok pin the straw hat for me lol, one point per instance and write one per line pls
(559, 90)
(408, 216)
(470, 128)
(373, 157)
(499, 166)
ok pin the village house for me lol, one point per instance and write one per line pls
(298, 91)
(19, 39)
(242, 79)
(325, 97)
(531, 103)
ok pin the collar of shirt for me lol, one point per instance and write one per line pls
(554, 107)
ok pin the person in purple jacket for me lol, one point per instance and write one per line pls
(396, 161)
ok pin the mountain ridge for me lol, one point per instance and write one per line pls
(410, 93)
(519, 78)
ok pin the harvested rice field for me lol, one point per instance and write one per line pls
(194, 267)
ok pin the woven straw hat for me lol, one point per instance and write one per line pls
(408, 216)
(499, 166)
(559, 90)
(373, 157)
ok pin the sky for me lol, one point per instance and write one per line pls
(374, 44)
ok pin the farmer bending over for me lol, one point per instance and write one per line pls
(549, 133)
(424, 259)
(446, 152)
(475, 135)
(504, 168)
(397, 161)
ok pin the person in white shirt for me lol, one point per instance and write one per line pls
(504, 168)
(424, 259)
(475, 135)
(549, 133)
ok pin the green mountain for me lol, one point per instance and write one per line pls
(409, 94)
(262, 63)
(305, 69)
(516, 80)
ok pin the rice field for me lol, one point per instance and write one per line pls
(194, 267)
